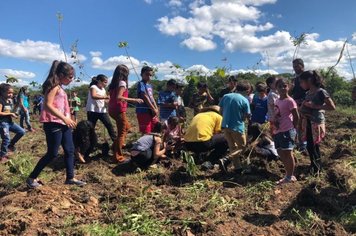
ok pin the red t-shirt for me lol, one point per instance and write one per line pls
(116, 105)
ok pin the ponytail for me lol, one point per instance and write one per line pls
(58, 68)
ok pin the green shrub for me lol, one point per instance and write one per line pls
(343, 97)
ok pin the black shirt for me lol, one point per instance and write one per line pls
(6, 107)
(225, 91)
(298, 93)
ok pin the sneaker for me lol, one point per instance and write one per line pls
(287, 180)
(33, 183)
(207, 165)
(75, 182)
(11, 148)
(224, 163)
(4, 159)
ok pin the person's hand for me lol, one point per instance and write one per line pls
(13, 115)
(308, 104)
(70, 123)
(155, 112)
(139, 100)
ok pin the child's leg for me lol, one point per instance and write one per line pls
(68, 148)
(54, 138)
(22, 118)
(92, 117)
(288, 161)
(19, 132)
(5, 136)
(104, 117)
(27, 119)
(313, 149)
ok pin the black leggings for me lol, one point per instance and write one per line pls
(103, 117)
(313, 149)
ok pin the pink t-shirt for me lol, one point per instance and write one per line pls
(60, 102)
(283, 114)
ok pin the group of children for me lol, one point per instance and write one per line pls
(219, 130)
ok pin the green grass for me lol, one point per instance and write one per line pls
(305, 220)
(260, 193)
(350, 111)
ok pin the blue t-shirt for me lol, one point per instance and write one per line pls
(235, 108)
(144, 88)
(25, 100)
(259, 114)
(166, 97)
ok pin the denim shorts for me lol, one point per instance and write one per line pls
(285, 140)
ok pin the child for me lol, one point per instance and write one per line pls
(173, 134)
(75, 103)
(317, 100)
(230, 88)
(259, 104)
(57, 123)
(6, 123)
(167, 101)
(96, 109)
(149, 148)
(147, 111)
(24, 105)
(271, 99)
(285, 121)
(235, 108)
(181, 113)
(119, 97)
(201, 98)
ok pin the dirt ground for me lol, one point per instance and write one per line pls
(165, 200)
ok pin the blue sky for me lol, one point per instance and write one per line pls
(253, 35)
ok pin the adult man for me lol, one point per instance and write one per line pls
(231, 86)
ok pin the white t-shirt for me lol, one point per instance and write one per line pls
(96, 105)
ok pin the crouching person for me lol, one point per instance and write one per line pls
(150, 148)
(204, 134)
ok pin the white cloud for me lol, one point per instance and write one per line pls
(175, 3)
(111, 63)
(34, 51)
(95, 53)
(199, 44)
(19, 74)
(148, 1)
(354, 36)
(257, 72)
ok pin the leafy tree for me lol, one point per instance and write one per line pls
(11, 79)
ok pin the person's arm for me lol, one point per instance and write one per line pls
(150, 104)
(157, 151)
(121, 97)
(295, 117)
(210, 98)
(6, 113)
(48, 104)
(78, 101)
(96, 96)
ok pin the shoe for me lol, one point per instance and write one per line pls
(124, 161)
(4, 159)
(224, 163)
(75, 182)
(287, 180)
(31, 130)
(11, 148)
(207, 165)
(33, 183)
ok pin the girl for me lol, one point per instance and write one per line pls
(271, 99)
(285, 121)
(6, 123)
(57, 123)
(96, 109)
(149, 148)
(317, 100)
(24, 107)
(118, 107)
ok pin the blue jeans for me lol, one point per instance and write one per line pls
(56, 135)
(25, 116)
(6, 127)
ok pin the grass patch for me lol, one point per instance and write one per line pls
(305, 220)
(260, 193)
(349, 110)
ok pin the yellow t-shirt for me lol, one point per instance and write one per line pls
(203, 126)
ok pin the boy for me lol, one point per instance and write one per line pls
(201, 98)
(75, 103)
(167, 101)
(147, 111)
(235, 108)
(259, 104)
